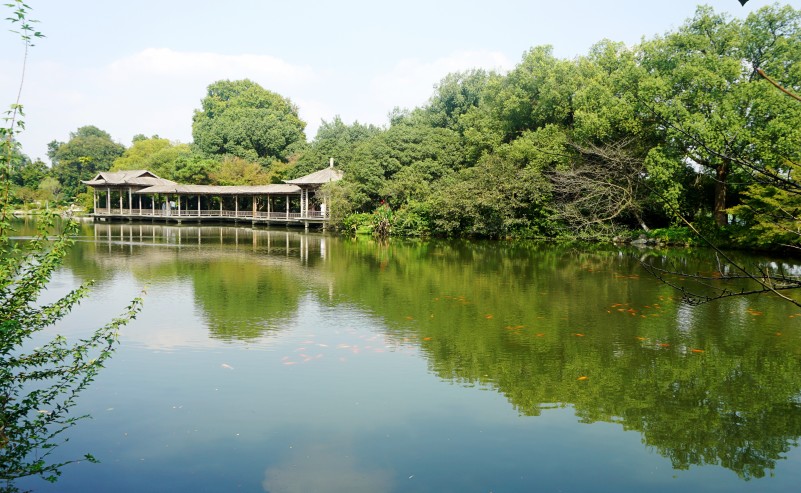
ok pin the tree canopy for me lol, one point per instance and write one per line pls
(88, 151)
(245, 120)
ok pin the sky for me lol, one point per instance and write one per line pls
(143, 66)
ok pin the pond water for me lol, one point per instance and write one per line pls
(277, 361)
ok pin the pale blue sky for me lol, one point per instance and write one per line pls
(143, 66)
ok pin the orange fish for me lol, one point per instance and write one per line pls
(540, 334)
(427, 338)
(664, 344)
(579, 335)
(488, 316)
(698, 350)
(583, 377)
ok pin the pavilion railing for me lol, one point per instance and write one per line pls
(210, 213)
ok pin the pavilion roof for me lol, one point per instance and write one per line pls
(318, 177)
(153, 184)
(180, 189)
(139, 177)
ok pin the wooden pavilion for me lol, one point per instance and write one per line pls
(152, 198)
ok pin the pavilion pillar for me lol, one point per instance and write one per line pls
(94, 200)
(153, 205)
(254, 206)
(221, 201)
(268, 206)
(108, 200)
(130, 201)
(120, 201)
(236, 205)
(140, 205)
(179, 206)
(287, 206)
(198, 206)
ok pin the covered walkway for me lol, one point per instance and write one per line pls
(141, 195)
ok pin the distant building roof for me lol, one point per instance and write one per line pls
(139, 177)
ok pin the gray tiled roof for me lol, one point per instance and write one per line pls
(139, 177)
(318, 177)
(176, 188)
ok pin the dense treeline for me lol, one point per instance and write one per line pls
(620, 139)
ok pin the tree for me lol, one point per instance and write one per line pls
(603, 186)
(718, 114)
(454, 96)
(153, 154)
(237, 171)
(245, 120)
(88, 151)
(194, 169)
(494, 199)
(334, 139)
(38, 385)
(760, 146)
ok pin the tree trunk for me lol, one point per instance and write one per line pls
(721, 173)
(642, 223)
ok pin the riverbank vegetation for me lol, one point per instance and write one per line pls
(684, 131)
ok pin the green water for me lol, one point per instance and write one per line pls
(272, 360)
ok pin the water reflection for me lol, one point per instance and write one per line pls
(325, 467)
(245, 282)
(717, 384)
(541, 325)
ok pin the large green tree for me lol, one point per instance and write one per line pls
(717, 111)
(88, 151)
(335, 139)
(154, 154)
(243, 119)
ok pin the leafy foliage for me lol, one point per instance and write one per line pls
(245, 120)
(39, 385)
(154, 154)
(88, 151)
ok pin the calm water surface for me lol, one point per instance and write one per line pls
(277, 361)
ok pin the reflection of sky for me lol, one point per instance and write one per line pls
(324, 467)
